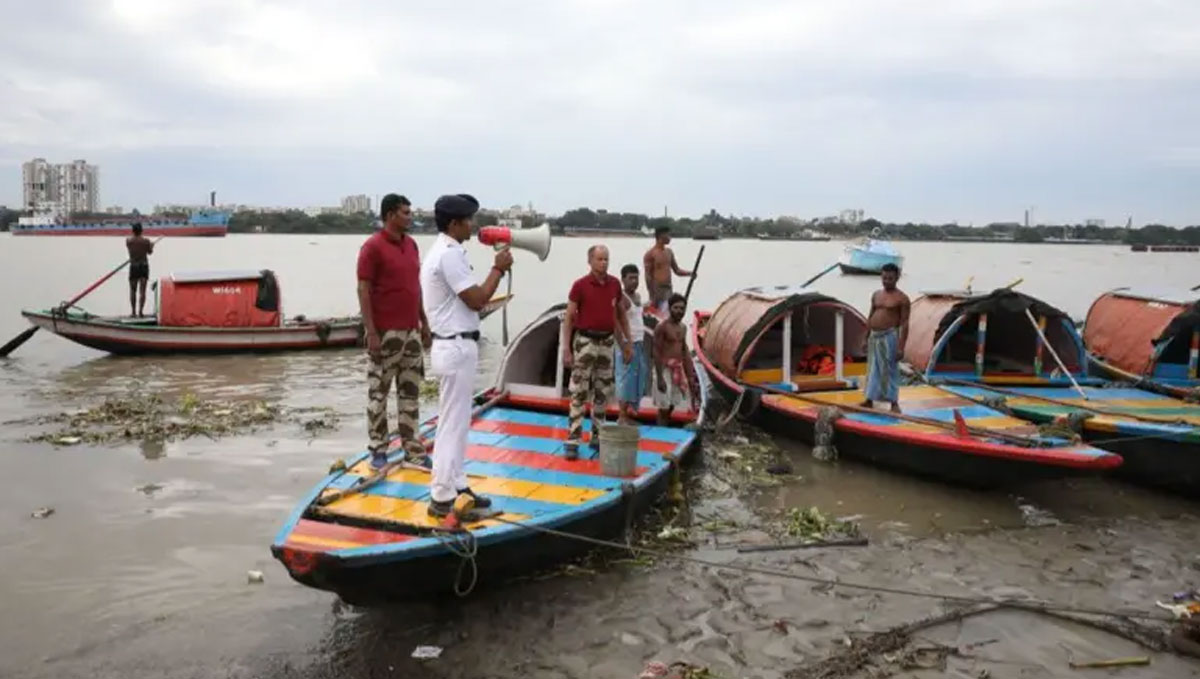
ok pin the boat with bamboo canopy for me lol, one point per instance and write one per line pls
(1015, 352)
(1148, 337)
(793, 359)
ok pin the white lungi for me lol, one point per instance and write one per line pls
(445, 273)
(453, 362)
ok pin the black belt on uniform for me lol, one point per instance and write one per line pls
(595, 334)
(473, 335)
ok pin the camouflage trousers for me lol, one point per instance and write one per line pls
(401, 360)
(591, 382)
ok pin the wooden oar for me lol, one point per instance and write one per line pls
(26, 334)
(812, 280)
(695, 267)
(980, 432)
(1067, 404)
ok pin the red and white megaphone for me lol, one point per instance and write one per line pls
(535, 240)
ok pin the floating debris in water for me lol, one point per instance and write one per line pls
(149, 488)
(140, 416)
(427, 652)
(42, 512)
(811, 524)
(254, 577)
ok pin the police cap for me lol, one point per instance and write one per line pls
(456, 206)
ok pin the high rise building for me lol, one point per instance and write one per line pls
(356, 204)
(67, 187)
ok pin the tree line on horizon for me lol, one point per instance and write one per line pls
(296, 221)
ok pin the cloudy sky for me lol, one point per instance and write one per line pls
(929, 110)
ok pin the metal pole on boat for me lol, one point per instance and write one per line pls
(1054, 353)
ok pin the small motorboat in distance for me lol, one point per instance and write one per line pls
(869, 255)
(368, 536)
(1147, 337)
(1014, 352)
(209, 312)
(799, 356)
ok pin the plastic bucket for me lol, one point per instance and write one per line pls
(618, 449)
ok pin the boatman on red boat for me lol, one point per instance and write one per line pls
(888, 322)
(139, 248)
(452, 302)
(389, 298)
(595, 314)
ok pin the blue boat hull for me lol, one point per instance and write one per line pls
(858, 260)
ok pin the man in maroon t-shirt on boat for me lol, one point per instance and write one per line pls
(595, 311)
(397, 333)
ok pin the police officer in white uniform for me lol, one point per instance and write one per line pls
(452, 302)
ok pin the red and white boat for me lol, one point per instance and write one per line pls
(209, 312)
(199, 312)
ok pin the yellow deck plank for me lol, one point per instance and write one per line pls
(398, 509)
(492, 485)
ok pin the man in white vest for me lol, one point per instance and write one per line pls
(452, 302)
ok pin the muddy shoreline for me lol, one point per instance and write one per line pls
(608, 617)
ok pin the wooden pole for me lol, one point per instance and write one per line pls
(1194, 355)
(1037, 355)
(1046, 343)
(812, 280)
(980, 340)
(687, 295)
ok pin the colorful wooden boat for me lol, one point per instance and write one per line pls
(869, 255)
(988, 347)
(379, 543)
(757, 336)
(1148, 337)
(209, 312)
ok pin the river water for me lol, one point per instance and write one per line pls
(126, 579)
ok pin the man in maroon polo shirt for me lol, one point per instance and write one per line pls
(397, 333)
(595, 311)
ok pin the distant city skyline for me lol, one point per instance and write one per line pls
(938, 111)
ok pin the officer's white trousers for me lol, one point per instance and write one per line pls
(453, 362)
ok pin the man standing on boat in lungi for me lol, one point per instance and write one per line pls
(397, 332)
(632, 374)
(658, 264)
(675, 383)
(452, 301)
(595, 311)
(140, 248)
(888, 322)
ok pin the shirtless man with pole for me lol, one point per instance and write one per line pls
(888, 322)
(657, 265)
